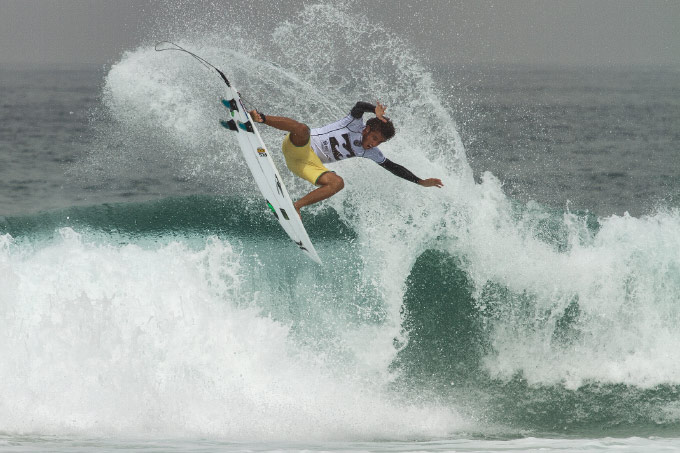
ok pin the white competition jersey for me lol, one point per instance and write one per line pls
(342, 140)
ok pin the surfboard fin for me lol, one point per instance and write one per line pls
(247, 126)
(230, 104)
(231, 125)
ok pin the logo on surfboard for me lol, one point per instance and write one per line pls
(278, 185)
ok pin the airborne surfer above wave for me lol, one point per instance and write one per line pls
(306, 151)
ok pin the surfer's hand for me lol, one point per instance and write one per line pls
(255, 115)
(380, 111)
(431, 182)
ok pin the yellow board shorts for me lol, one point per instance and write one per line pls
(302, 160)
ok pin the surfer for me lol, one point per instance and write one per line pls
(306, 151)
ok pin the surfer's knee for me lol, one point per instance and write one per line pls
(299, 134)
(334, 182)
(339, 185)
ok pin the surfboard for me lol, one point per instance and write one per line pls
(264, 172)
(257, 158)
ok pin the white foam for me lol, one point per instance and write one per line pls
(626, 281)
(106, 338)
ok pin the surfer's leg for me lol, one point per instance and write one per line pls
(330, 185)
(299, 135)
(299, 132)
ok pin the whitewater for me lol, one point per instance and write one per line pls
(441, 319)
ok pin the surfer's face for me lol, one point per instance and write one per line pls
(371, 139)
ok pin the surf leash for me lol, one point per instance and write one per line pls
(201, 60)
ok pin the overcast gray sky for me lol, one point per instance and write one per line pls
(574, 32)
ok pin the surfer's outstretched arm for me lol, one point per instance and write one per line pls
(406, 174)
(299, 132)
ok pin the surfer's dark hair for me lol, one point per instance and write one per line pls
(386, 129)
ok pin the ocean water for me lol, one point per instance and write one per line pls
(149, 300)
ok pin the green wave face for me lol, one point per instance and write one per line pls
(200, 214)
